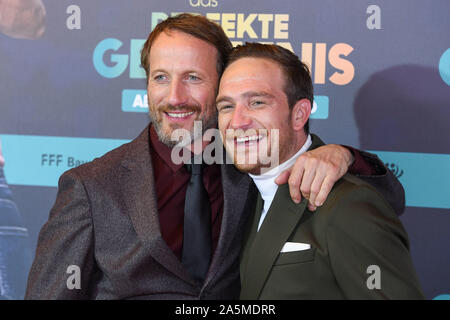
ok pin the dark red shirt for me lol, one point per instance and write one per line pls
(171, 183)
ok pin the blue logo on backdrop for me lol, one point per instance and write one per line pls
(40, 160)
(444, 66)
(320, 107)
(134, 101)
(395, 169)
(423, 188)
(113, 65)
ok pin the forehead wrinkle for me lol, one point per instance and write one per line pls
(224, 99)
(178, 50)
(250, 94)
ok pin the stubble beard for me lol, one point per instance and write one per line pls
(165, 135)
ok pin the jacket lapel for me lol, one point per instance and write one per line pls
(315, 142)
(238, 188)
(280, 222)
(138, 184)
(263, 247)
(250, 234)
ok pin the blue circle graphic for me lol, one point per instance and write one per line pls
(444, 66)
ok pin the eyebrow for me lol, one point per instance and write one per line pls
(184, 72)
(248, 94)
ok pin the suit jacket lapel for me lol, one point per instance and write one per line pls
(138, 185)
(315, 142)
(237, 189)
(280, 222)
(262, 248)
(250, 234)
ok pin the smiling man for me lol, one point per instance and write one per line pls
(135, 224)
(178, 96)
(290, 252)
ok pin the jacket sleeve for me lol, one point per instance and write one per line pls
(369, 249)
(64, 266)
(380, 177)
(15, 252)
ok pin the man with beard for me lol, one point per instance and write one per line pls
(352, 247)
(134, 224)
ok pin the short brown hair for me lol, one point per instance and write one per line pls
(197, 26)
(298, 84)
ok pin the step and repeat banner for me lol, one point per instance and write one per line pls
(71, 89)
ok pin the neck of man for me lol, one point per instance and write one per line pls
(290, 159)
(265, 182)
(298, 140)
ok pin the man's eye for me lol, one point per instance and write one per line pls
(257, 103)
(193, 77)
(225, 108)
(159, 77)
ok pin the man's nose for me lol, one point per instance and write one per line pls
(240, 118)
(178, 93)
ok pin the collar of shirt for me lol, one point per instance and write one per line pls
(266, 181)
(171, 182)
(163, 151)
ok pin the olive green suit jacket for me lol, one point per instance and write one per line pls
(355, 230)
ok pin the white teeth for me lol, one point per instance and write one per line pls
(180, 115)
(249, 138)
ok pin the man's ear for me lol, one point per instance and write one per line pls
(300, 114)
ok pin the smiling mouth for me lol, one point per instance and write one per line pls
(179, 115)
(247, 140)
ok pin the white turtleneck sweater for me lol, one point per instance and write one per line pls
(266, 181)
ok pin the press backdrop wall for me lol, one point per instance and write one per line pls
(381, 71)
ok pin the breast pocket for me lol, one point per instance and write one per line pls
(302, 256)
